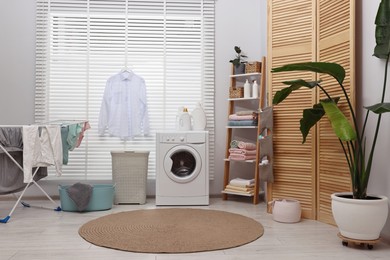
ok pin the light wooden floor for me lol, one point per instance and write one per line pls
(36, 233)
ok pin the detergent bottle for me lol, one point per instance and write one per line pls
(184, 122)
(198, 118)
(177, 121)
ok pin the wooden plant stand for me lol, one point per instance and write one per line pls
(370, 243)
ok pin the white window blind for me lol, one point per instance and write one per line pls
(81, 43)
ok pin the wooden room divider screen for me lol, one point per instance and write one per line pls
(302, 31)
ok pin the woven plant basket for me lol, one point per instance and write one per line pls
(252, 67)
(236, 92)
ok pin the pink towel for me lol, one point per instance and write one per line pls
(247, 146)
(241, 151)
(236, 117)
(241, 157)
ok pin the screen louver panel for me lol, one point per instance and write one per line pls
(335, 44)
(292, 42)
(300, 31)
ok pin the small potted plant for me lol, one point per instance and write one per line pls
(239, 62)
(358, 215)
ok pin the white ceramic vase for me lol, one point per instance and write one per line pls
(359, 219)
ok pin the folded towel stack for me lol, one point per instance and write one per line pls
(241, 151)
(241, 186)
(249, 118)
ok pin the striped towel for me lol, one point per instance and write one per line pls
(247, 146)
(234, 144)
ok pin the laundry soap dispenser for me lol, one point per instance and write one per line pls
(247, 89)
(184, 121)
(198, 118)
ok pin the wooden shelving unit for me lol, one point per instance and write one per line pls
(230, 129)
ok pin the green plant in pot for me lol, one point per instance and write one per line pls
(239, 61)
(351, 136)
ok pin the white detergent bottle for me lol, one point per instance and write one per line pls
(247, 89)
(178, 115)
(255, 89)
(185, 121)
(198, 118)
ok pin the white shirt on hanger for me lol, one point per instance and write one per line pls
(124, 107)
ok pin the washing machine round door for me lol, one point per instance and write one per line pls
(182, 163)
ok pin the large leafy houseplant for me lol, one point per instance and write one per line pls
(351, 136)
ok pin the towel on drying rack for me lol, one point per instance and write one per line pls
(11, 177)
(81, 194)
(42, 146)
(11, 138)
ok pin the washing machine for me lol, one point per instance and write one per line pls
(182, 175)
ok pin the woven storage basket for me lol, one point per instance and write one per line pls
(129, 173)
(236, 92)
(254, 66)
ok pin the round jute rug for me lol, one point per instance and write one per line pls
(171, 230)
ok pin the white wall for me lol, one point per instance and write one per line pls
(17, 61)
(370, 72)
(241, 23)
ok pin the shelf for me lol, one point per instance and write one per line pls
(245, 75)
(243, 99)
(242, 161)
(234, 106)
(241, 194)
(249, 126)
(237, 193)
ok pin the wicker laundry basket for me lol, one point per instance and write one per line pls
(129, 173)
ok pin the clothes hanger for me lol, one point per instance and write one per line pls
(126, 72)
(126, 69)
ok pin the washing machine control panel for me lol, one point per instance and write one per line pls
(187, 137)
(173, 138)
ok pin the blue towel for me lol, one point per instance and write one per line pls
(242, 122)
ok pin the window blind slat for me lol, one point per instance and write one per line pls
(81, 43)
